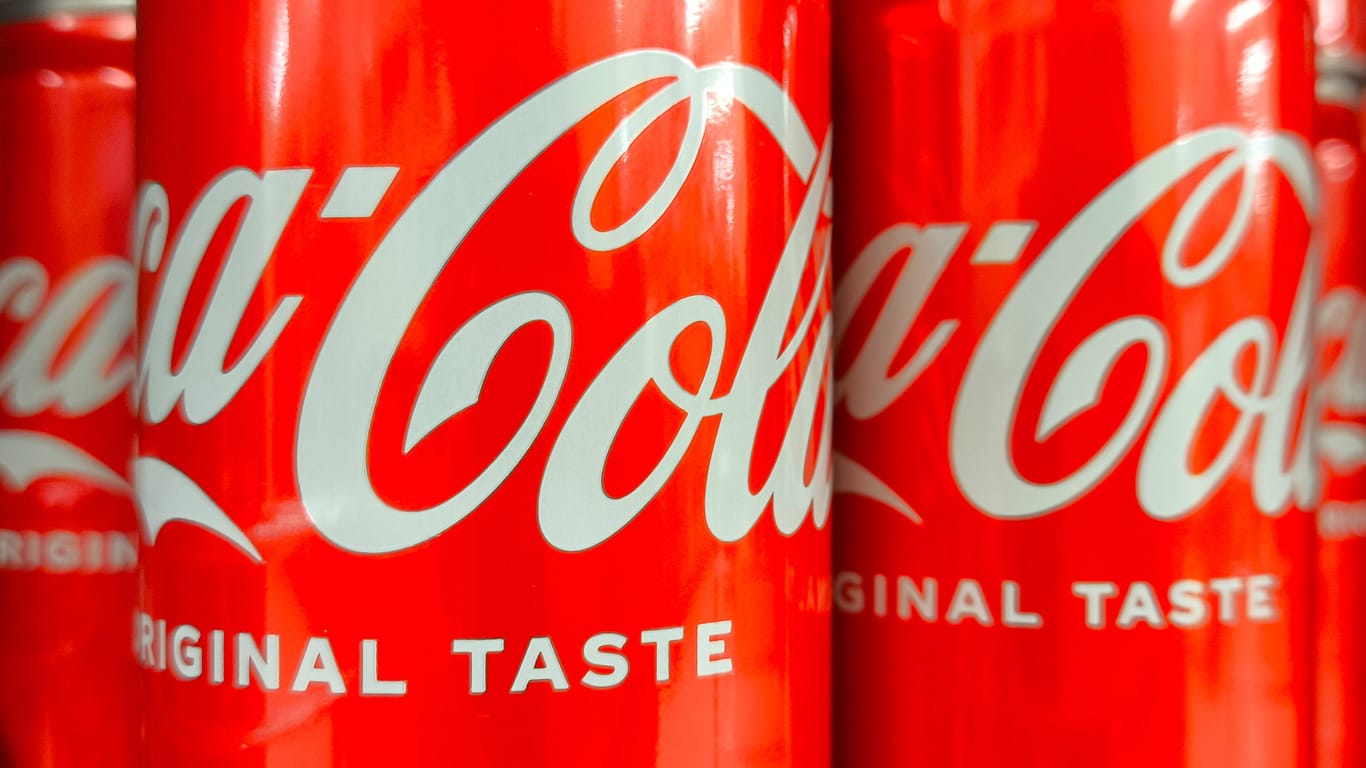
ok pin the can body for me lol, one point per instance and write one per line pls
(68, 531)
(484, 354)
(1340, 600)
(1341, 594)
(1075, 296)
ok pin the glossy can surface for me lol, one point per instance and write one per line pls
(484, 351)
(1341, 598)
(1075, 297)
(1341, 27)
(68, 531)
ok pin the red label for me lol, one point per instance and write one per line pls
(1341, 324)
(1076, 292)
(68, 531)
(483, 384)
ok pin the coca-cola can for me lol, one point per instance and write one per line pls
(1340, 601)
(484, 351)
(1075, 290)
(68, 530)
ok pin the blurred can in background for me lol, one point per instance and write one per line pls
(68, 530)
(484, 359)
(1341, 598)
(1075, 292)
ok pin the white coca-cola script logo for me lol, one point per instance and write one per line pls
(575, 513)
(70, 357)
(1270, 406)
(1342, 390)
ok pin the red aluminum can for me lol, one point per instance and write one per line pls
(1075, 290)
(68, 530)
(1341, 597)
(450, 314)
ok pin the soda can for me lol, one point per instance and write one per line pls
(1340, 600)
(1075, 290)
(68, 530)
(484, 351)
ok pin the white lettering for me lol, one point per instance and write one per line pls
(710, 649)
(478, 651)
